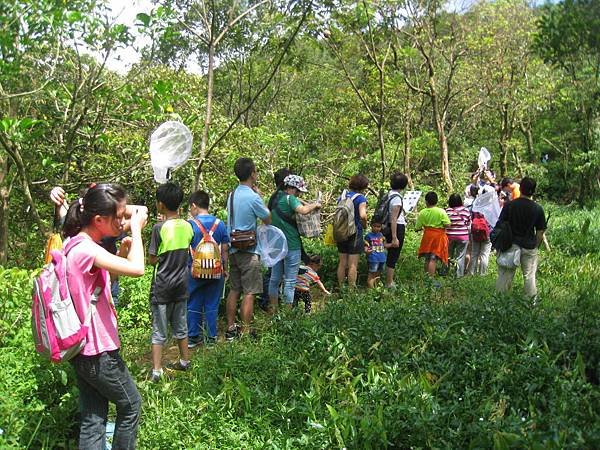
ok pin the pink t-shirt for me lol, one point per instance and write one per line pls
(83, 278)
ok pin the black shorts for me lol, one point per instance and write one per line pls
(355, 245)
(393, 253)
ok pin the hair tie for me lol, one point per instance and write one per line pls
(80, 200)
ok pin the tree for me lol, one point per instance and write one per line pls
(433, 43)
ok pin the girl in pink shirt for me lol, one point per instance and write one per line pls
(101, 373)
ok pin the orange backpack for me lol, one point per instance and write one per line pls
(206, 257)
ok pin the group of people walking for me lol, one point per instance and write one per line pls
(189, 305)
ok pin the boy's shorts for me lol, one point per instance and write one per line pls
(245, 273)
(376, 267)
(429, 256)
(174, 314)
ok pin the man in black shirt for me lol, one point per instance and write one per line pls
(528, 223)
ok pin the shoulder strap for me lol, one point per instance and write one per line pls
(200, 226)
(214, 226)
(286, 217)
(354, 196)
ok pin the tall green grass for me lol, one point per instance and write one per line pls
(458, 367)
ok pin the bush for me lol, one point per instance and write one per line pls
(459, 367)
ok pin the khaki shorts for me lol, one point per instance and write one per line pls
(244, 273)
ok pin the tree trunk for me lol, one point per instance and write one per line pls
(207, 119)
(440, 129)
(442, 140)
(381, 148)
(4, 192)
(529, 140)
(407, 138)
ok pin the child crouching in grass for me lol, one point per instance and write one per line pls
(307, 276)
(434, 243)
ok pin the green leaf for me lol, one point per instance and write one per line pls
(74, 16)
(144, 19)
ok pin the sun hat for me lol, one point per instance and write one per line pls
(295, 181)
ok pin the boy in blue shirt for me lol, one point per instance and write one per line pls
(205, 294)
(376, 255)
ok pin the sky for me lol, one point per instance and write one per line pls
(125, 12)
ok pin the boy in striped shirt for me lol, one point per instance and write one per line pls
(307, 276)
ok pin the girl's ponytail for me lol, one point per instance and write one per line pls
(72, 224)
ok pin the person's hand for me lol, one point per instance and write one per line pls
(395, 243)
(58, 196)
(327, 293)
(139, 217)
(226, 274)
(317, 205)
(125, 247)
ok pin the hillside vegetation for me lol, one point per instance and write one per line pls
(458, 367)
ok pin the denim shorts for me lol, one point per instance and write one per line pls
(174, 314)
(376, 267)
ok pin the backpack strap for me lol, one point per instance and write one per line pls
(200, 227)
(285, 217)
(97, 290)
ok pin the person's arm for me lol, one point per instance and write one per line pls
(59, 198)
(539, 237)
(419, 222)
(261, 211)
(225, 258)
(322, 287)
(154, 244)
(306, 208)
(393, 227)
(362, 214)
(133, 264)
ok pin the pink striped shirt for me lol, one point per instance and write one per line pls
(460, 219)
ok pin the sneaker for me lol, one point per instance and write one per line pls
(194, 341)
(231, 335)
(210, 341)
(178, 366)
(155, 377)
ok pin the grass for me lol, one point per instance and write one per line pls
(458, 367)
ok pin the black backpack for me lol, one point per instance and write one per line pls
(382, 210)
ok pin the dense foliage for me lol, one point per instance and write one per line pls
(330, 88)
(457, 368)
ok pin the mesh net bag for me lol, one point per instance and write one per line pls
(272, 244)
(170, 147)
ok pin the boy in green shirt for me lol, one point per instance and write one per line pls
(169, 250)
(434, 243)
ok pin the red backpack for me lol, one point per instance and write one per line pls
(480, 229)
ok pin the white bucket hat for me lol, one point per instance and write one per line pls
(295, 181)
